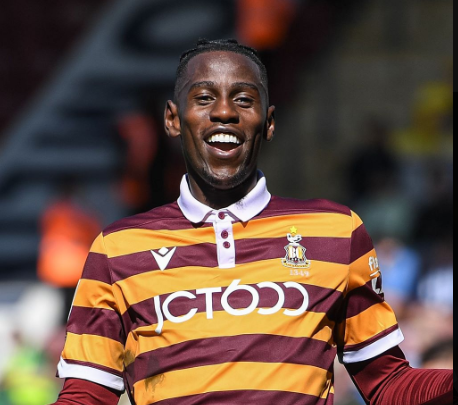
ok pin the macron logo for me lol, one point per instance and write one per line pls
(163, 256)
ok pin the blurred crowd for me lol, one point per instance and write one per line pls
(399, 180)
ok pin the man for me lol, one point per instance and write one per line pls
(231, 295)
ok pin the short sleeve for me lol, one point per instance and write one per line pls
(94, 343)
(368, 325)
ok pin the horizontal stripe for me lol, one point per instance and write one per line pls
(168, 217)
(147, 285)
(361, 299)
(249, 397)
(95, 321)
(95, 350)
(245, 348)
(139, 240)
(289, 205)
(96, 268)
(234, 376)
(321, 300)
(335, 250)
(311, 325)
(369, 323)
(308, 225)
(361, 243)
(203, 254)
(94, 294)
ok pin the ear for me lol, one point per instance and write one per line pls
(172, 120)
(270, 123)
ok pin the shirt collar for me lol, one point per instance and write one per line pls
(245, 209)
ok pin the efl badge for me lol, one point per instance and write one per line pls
(295, 253)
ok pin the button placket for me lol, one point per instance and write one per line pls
(224, 240)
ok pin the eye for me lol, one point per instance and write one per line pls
(204, 98)
(244, 101)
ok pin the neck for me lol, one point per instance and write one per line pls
(219, 197)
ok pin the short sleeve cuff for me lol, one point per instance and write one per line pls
(374, 349)
(66, 370)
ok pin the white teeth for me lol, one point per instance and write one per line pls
(224, 138)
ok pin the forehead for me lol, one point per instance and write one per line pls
(221, 66)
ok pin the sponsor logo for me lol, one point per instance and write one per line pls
(374, 266)
(295, 252)
(376, 275)
(164, 314)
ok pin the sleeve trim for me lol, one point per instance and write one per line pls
(66, 370)
(374, 349)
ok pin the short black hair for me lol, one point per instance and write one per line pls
(230, 45)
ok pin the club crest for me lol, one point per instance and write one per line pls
(295, 252)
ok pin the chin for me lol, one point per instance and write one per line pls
(226, 181)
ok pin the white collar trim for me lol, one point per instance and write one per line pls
(245, 209)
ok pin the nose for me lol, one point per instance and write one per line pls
(224, 111)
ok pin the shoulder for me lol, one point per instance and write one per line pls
(163, 217)
(289, 206)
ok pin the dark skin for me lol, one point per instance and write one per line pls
(222, 116)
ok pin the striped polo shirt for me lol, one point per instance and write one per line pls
(186, 305)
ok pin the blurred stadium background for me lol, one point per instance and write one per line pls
(364, 98)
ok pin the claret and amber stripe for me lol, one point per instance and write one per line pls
(237, 376)
(261, 332)
(133, 240)
(224, 325)
(133, 288)
(329, 250)
(369, 323)
(95, 321)
(321, 300)
(231, 349)
(202, 255)
(249, 397)
(94, 349)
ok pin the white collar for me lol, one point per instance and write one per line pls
(245, 209)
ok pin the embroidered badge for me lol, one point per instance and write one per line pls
(295, 252)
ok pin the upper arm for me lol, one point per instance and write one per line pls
(368, 326)
(95, 339)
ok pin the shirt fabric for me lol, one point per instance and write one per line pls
(185, 304)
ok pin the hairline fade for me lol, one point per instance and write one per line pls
(229, 45)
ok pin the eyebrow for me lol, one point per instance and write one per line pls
(235, 85)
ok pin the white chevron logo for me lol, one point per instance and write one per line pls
(163, 256)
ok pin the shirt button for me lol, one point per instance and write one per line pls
(227, 245)
(225, 234)
(221, 215)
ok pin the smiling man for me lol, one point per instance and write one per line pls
(222, 115)
(230, 295)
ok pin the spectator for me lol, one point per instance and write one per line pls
(67, 231)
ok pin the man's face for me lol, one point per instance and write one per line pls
(221, 116)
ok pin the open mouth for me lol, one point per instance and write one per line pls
(224, 142)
